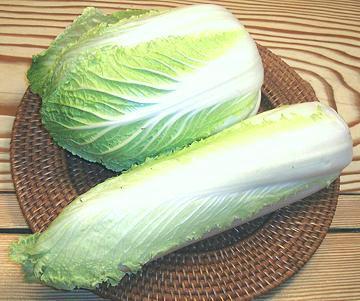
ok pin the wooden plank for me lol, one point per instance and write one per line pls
(347, 213)
(331, 274)
(12, 82)
(11, 216)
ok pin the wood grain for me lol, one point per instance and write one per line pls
(331, 274)
(321, 42)
(347, 214)
(11, 216)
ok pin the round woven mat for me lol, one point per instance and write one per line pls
(239, 264)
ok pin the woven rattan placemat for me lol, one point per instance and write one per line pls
(239, 264)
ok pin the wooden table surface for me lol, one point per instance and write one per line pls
(319, 39)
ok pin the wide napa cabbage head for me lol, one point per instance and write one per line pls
(119, 88)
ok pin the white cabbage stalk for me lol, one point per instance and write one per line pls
(120, 88)
(254, 167)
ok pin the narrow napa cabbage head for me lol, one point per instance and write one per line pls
(119, 88)
(250, 169)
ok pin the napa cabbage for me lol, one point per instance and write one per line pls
(119, 88)
(249, 169)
